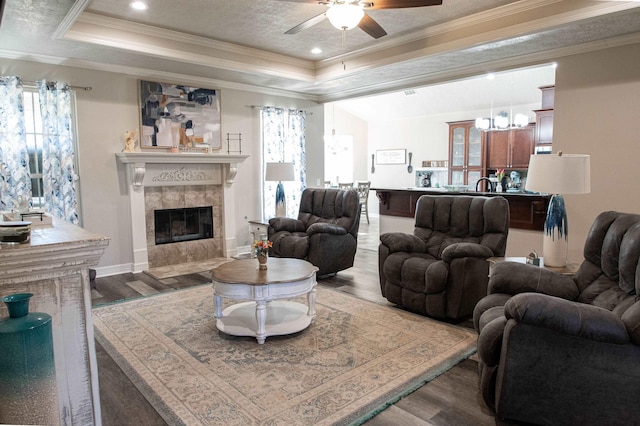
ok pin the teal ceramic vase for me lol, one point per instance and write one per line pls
(28, 391)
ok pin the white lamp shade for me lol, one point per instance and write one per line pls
(345, 16)
(280, 172)
(559, 174)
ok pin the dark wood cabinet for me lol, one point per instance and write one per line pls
(466, 153)
(510, 149)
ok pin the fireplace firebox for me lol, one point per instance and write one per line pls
(177, 225)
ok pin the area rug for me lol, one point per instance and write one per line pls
(356, 358)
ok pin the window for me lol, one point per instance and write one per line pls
(283, 140)
(33, 134)
(34, 138)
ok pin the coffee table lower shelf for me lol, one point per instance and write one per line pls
(282, 317)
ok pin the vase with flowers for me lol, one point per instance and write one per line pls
(262, 252)
(502, 181)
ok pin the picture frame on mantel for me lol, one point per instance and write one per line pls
(176, 117)
(391, 156)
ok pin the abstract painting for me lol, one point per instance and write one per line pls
(175, 116)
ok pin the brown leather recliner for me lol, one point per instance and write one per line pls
(441, 270)
(325, 233)
(560, 350)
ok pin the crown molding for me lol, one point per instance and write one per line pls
(448, 75)
(140, 72)
(70, 18)
(119, 25)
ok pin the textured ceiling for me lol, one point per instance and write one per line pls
(242, 42)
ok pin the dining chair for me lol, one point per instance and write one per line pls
(363, 194)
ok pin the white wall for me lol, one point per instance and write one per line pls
(111, 108)
(597, 112)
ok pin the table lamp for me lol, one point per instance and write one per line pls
(558, 174)
(280, 172)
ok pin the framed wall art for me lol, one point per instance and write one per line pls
(174, 117)
(391, 156)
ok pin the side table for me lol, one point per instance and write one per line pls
(569, 269)
(258, 227)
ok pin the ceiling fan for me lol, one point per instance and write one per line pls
(347, 14)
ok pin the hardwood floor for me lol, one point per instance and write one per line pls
(450, 399)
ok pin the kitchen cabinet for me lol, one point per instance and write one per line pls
(544, 120)
(510, 149)
(466, 153)
(544, 127)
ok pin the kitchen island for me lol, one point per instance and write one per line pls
(527, 210)
(54, 267)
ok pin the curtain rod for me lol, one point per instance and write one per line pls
(266, 106)
(35, 83)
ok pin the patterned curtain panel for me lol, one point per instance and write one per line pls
(15, 181)
(59, 177)
(283, 139)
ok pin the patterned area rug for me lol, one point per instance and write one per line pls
(353, 361)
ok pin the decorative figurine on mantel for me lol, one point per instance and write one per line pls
(130, 140)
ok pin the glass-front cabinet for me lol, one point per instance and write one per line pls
(466, 159)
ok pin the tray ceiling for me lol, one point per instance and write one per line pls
(241, 43)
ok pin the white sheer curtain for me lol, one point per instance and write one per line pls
(283, 139)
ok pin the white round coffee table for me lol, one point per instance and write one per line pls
(265, 314)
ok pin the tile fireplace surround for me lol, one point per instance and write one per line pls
(166, 180)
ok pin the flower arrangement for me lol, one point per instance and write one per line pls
(262, 247)
(500, 174)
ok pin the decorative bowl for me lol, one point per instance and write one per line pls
(15, 232)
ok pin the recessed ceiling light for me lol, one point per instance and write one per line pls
(316, 51)
(138, 5)
(491, 76)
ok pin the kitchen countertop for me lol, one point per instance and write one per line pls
(444, 191)
(527, 210)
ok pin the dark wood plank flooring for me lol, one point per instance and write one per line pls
(450, 399)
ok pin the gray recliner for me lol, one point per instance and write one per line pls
(325, 233)
(561, 350)
(441, 270)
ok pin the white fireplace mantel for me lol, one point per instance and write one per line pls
(138, 161)
(173, 169)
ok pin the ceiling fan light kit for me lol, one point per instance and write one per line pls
(348, 14)
(345, 16)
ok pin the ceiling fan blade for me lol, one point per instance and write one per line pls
(401, 4)
(371, 27)
(307, 24)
